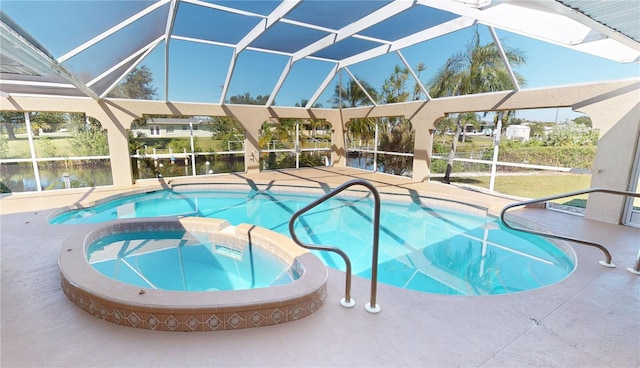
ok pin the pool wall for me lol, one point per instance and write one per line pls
(162, 310)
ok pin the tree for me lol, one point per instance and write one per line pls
(4, 147)
(43, 121)
(90, 142)
(38, 120)
(468, 119)
(508, 118)
(397, 136)
(353, 95)
(583, 120)
(313, 122)
(246, 99)
(221, 126)
(87, 136)
(362, 130)
(138, 85)
(537, 130)
(445, 126)
(394, 88)
(303, 102)
(572, 134)
(477, 69)
(283, 131)
(225, 129)
(9, 121)
(417, 91)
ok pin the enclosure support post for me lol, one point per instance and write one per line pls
(496, 149)
(36, 171)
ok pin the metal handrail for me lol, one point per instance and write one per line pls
(606, 263)
(371, 307)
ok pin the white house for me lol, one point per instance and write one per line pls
(174, 127)
(518, 132)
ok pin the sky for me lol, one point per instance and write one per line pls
(197, 71)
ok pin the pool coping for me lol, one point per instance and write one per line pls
(147, 308)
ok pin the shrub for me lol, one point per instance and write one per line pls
(580, 157)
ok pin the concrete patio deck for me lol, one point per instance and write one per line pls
(590, 319)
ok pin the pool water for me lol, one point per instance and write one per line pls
(422, 247)
(172, 260)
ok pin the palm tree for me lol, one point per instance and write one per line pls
(417, 91)
(313, 122)
(446, 125)
(397, 135)
(353, 95)
(303, 102)
(394, 88)
(362, 129)
(468, 118)
(283, 132)
(477, 69)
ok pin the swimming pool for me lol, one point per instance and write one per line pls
(425, 245)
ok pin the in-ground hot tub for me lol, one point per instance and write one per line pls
(116, 289)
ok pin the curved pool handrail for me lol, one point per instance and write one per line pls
(607, 262)
(371, 307)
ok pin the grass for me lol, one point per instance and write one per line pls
(471, 143)
(54, 145)
(535, 185)
(532, 185)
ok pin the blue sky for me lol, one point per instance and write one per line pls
(198, 71)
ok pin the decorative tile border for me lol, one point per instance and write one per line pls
(162, 310)
(189, 320)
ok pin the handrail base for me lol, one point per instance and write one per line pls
(607, 264)
(347, 304)
(373, 310)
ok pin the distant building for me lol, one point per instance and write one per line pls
(521, 132)
(484, 127)
(488, 128)
(174, 127)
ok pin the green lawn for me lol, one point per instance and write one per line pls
(49, 146)
(534, 186)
